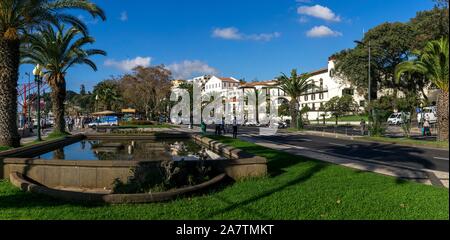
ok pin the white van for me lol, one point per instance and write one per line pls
(429, 113)
(398, 118)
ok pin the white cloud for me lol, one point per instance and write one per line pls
(129, 64)
(233, 33)
(319, 11)
(187, 69)
(230, 33)
(303, 1)
(322, 31)
(124, 16)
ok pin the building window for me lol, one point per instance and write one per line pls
(321, 84)
(306, 97)
(321, 96)
(321, 105)
(313, 97)
(362, 103)
(348, 91)
(313, 107)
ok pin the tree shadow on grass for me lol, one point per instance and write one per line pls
(277, 160)
(303, 177)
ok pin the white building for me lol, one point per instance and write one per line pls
(328, 86)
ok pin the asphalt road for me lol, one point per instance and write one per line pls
(426, 158)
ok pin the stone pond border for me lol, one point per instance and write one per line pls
(48, 176)
(21, 182)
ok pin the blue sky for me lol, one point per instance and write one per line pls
(251, 39)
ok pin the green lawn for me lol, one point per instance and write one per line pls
(4, 148)
(297, 188)
(411, 142)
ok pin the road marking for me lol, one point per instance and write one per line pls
(305, 140)
(383, 151)
(440, 158)
(340, 145)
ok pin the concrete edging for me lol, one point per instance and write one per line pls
(21, 182)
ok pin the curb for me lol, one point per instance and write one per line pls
(360, 138)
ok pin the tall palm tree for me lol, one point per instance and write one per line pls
(432, 62)
(295, 86)
(57, 50)
(255, 93)
(17, 18)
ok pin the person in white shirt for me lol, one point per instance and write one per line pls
(235, 128)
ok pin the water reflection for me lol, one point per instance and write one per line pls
(175, 150)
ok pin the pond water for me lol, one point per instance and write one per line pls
(145, 150)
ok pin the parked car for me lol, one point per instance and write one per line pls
(104, 121)
(281, 124)
(399, 118)
(429, 113)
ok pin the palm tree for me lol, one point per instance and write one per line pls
(108, 93)
(432, 62)
(58, 51)
(254, 93)
(17, 19)
(295, 86)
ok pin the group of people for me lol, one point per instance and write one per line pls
(77, 122)
(221, 128)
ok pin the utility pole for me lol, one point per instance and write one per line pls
(38, 76)
(370, 82)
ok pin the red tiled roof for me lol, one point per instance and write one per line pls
(254, 84)
(320, 71)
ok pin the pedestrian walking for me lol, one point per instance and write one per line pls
(203, 127)
(363, 127)
(426, 128)
(235, 128)
(216, 128)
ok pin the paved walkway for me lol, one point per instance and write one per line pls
(414, 173)
(430, 177)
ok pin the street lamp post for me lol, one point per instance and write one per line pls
(38, 75)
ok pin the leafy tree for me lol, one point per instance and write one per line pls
(295, 86)
(58, 50)
(390, 45)
(17, 19)
(340, 106)
(283, 109)
(433, 63)
(147, 89)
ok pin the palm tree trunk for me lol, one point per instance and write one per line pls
(58, 98)
(294, 112)
(9, 74)
(443, 116)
